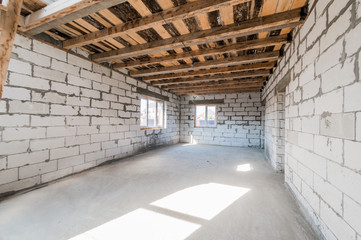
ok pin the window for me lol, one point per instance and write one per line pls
(151, 113)
(206, 116)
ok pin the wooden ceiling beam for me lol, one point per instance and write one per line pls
(210, 88)
(252, 44)
(216, 83)
(237, 68)
(261, 24)
(252, 58)
(7, 38)
(228, 76)
(169, 15)
(63, 11)
(224, 91)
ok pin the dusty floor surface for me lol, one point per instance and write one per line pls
(178, 192)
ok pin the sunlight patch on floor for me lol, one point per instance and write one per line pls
(244, 167)
(203, 201)
(141, 224)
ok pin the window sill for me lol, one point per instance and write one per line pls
(145, 128)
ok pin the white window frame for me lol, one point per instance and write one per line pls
(156, 112)
(206, 115)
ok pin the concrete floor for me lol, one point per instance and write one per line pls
(178, 192)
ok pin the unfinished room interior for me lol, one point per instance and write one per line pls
(180, 119)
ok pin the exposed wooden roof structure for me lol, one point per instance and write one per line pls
(189, 47)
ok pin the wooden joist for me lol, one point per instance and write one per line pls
(246, 45)
(267, 56)
(209, 88)
(222, 91)
(238, 68)
(164, 17)
(253, 26)
(190, 85)
(7, 37)
(227, 76)
(252, 81)
(63, 11)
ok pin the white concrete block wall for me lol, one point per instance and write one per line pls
(274, 130)
(61, 114)
(238, 121)
(322, 111)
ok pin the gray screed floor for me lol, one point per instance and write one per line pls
(178, 192)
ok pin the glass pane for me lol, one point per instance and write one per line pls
(151, 113)
(211, 116)
(201, 116)
(143, 112)
(160, 114)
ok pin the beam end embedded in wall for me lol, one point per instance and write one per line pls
(148, 93)
(210, 101)
(304, 12)
(49, 39)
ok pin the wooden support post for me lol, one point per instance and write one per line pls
(7, 38)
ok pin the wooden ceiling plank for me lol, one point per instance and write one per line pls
(110, 16)
(182, 29)
(227, 76)
(283, 32)
(115, 43)
(298, 3)
(86, 25)
(170, 15)
(72, 30)
(283, 5)
(142, 9)
(231, 61)
(251, 44)
(101, 20)
(203, 22)
(7, 38)
(227, 17)
(66, 31)
(253, 26)
(268, 8)
(165, 4)
(54, 35)
(61, 12)
(226, 14)
(237, 68)
(79, 27)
